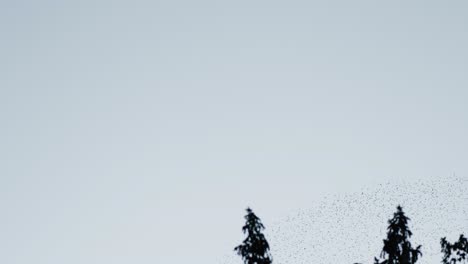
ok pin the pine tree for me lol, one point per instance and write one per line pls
(456, 252)
(254, 249)
(397, 248)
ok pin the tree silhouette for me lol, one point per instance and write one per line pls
(397, 248)
(254, 249)
(459, 250)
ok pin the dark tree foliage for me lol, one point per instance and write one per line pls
(397, 248)
(456, 252)
(254, 249)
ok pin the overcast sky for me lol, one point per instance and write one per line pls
(139, 131)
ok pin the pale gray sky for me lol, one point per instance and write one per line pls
(138, 131)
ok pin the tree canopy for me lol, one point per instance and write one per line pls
(254, 249)
(456, 252)
(397, 248)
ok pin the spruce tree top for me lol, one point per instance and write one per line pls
(456, 252)
(397, 248)
(254, 249)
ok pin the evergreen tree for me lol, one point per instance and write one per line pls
(397, 248)
(459, 250)
(254, 249)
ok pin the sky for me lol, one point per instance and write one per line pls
(139, 131)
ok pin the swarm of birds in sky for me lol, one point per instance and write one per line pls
(350, 228)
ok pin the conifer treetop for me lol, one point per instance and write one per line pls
(456, 252)
(255, 248)
(397, 248)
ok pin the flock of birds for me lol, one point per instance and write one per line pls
(350, 228)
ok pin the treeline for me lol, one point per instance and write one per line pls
(397, 248)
